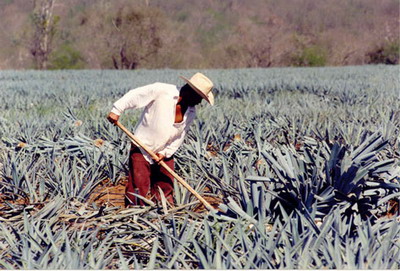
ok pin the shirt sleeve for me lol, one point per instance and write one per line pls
(177, 142)
(174, 145)
(135, 98)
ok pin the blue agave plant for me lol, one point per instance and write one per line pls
(317, 180)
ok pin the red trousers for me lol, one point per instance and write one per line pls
(145, 179)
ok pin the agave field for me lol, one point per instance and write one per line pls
(302, 164)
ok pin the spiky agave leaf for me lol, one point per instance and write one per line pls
(352, 180)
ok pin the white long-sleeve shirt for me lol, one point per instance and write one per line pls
(156, 127)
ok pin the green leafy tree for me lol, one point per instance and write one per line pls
(66, 57)
(388, 53)
(313, 56)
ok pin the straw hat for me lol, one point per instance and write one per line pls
(202, 85)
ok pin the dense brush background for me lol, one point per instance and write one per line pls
(305, 163)
(130, 34)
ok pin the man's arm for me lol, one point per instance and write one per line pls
(173, 146)
(160, 157)
(135, 98)
(113, 118)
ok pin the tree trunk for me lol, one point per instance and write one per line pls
(41, 46)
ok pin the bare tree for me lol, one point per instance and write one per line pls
(135, 38)
(258, 44)
(127, 34)
(44, 30)
(124, 37)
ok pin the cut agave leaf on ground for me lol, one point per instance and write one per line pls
(280, 142)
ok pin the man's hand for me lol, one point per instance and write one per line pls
(113, 118)
(160, 158)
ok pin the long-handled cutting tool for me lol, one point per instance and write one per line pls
(164, 165)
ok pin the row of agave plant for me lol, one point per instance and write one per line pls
(143, 238)
(303, 172)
